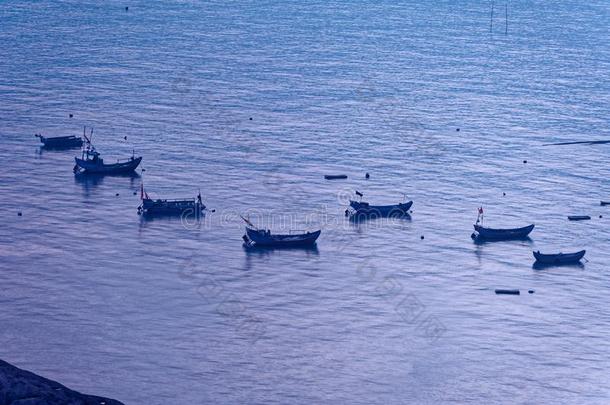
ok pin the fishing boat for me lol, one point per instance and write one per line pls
(91, 162)
(484, 233)
(60, 142)
(360, 208)
(263, 238)
(166, 207)
(559, 258)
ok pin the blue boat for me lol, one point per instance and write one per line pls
(559, 258)
(483, 233)
(365, 209)
(92, 163)
(60, 142)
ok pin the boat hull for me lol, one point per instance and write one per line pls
(261, 238)
(559, 258)
(361, 208)
(89, 166)
(483, 233)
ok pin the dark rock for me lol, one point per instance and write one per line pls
(23, 387)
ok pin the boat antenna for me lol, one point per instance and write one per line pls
(250, 224)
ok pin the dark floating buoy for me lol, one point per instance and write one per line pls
(335, 176)
(504, 194)
(508, 292)
(19, 214)
(125, 137)
(367, 176)
(126, 8)
(530, 291)
(600, 216)
(525, 161)
(457, 130)
(71, 115)
(117, 194)
(135, 192)
(250, 118)
(579, 217)
(422, 237)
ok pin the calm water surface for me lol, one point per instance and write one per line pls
(157, 312)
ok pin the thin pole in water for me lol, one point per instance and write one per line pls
(506, 31)
(491, 18)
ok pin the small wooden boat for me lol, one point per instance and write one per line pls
(255, 237)
(335, 176)
(264, 238)
(91, 162)
(579, 217)
(482, 233)
(559, 258)
(364, 208)
(164, 207)
(60, 142)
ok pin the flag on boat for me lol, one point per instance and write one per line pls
(358, 193)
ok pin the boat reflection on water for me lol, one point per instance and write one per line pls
(364, 217)
(253, 255)
(91, 181)
(522, 241)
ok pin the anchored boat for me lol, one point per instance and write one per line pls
(166, 207)
(360, 208)
(60, 142)
(264, 238)
(501, 234)
(484, 233)
(559, 258)
(91, 162)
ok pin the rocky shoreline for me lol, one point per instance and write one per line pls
(21, 387)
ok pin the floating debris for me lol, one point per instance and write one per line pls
(422, 237)
(117, 194)
(579, 217)
(525, 161)
(601, 142)
(335, 176)
(604, 203)
(366, 176)
(531, 291)
(508, 292)
(19, 213)
(71, 115)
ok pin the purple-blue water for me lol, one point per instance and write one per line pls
(166, 311)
